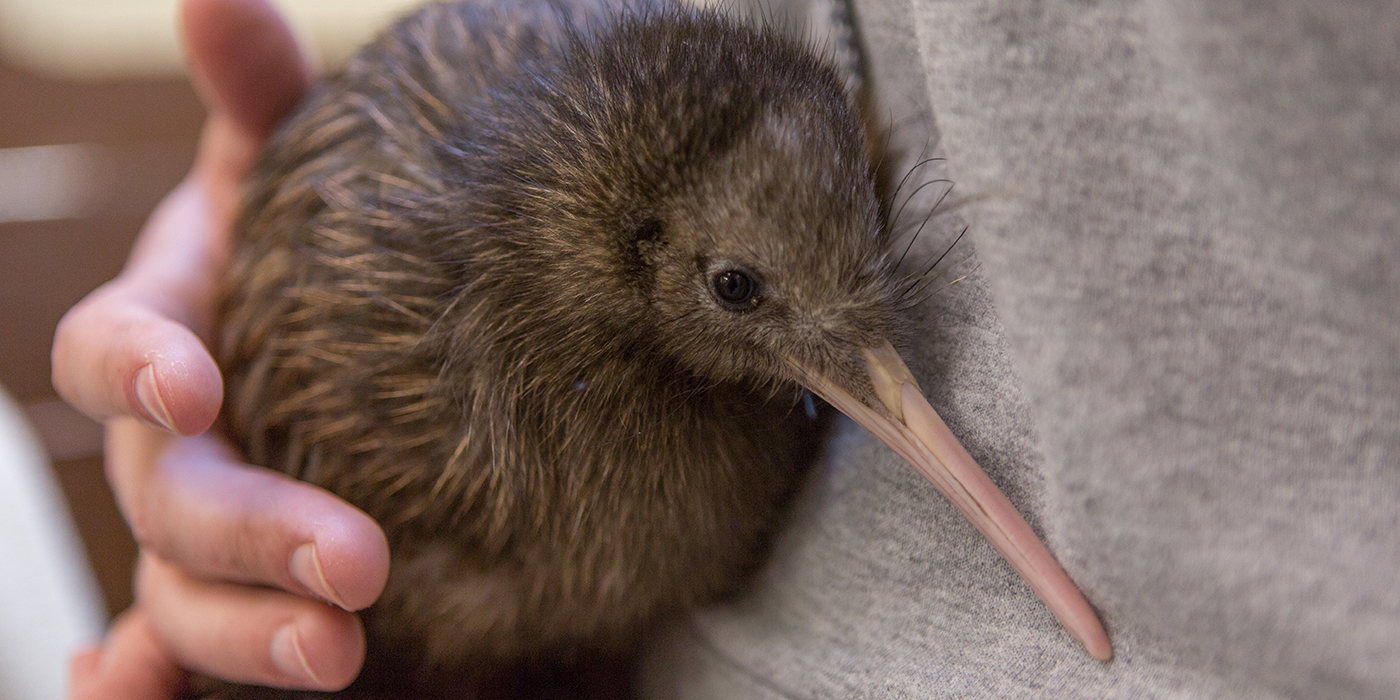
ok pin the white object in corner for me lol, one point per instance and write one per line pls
(49, 605)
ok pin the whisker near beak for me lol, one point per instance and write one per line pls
(908, 424)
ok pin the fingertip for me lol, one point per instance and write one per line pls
(245, 60)
(113, 357)
(178, 387)
(190, 385)
(350, 556)
(326, 650)
(82, 668)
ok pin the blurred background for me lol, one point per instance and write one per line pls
(97, 123)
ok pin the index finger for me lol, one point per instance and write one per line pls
(134, 346)
(137, 347)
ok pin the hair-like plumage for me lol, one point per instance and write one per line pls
(470, 294)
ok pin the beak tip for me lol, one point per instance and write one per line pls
(1095, 641)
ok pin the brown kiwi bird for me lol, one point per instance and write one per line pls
(538, 286)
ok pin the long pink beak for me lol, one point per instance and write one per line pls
(916, 433)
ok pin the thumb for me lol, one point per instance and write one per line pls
(244, 61)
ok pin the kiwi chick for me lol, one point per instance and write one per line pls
(522, 282)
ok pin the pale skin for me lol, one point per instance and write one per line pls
(243, 573)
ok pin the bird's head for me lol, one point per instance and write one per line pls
(769, 260)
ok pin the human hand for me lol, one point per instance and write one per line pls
(244, 574)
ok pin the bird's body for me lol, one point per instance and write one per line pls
(450, 304)
(537, 286)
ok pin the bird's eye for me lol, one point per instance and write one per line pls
(736, 288)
